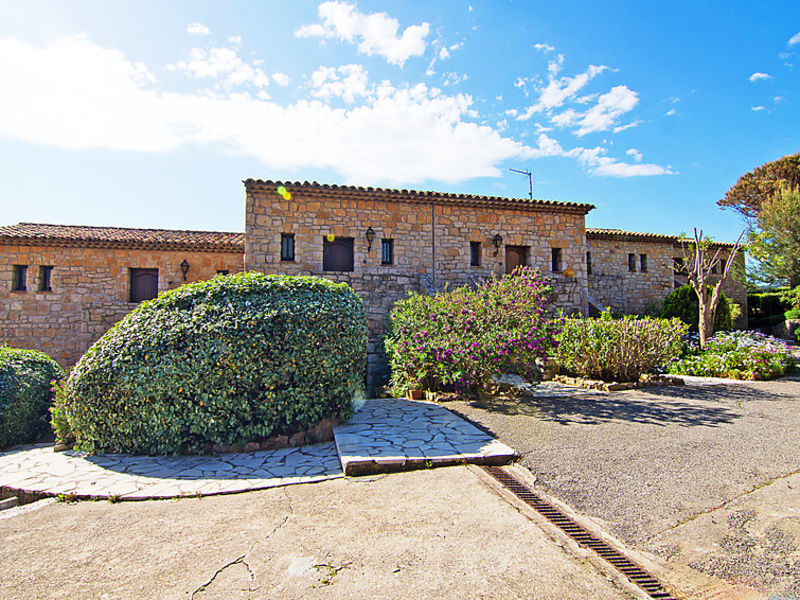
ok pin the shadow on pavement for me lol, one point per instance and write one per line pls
(597, 409)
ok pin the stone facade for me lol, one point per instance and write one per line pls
(431, 235)
(435, 240)
(619, 282)
(90, 290)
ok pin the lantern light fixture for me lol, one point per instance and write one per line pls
(184, 268)
(370, 238)
(497, 241)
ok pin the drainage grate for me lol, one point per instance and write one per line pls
(623, 564)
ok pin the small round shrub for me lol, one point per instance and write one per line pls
(682, 303)
(227, 361)
(25, 394)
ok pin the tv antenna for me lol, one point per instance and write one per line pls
(530, 180)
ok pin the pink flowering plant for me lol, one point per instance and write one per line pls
(735, 355)
(460, 339)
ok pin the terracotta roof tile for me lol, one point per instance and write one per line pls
(636, 236)
(39, 234)
(415, 196)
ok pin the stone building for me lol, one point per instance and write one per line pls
(385, 243)
(632, 272)
(62, 287)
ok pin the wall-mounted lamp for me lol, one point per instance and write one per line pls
(184, 268)
(370, 238)
(497, 241)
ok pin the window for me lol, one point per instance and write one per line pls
(20, 278)
(144, 284)
(643, 263)
(632, 263)
(722, 265)
(474, 254)
(555, 259)
(714, 269)
(337, 255)
(588, 263)
(223, 272)
(387, 252)
(287, 247)
(45, 279)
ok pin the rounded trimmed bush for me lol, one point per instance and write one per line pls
(227, 361)
(25, 394)
(682, 303)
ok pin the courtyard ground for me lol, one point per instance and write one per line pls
(705, 478)
(438, 533)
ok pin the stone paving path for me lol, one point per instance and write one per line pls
(396, 434)
(38, 470)
(384, 435)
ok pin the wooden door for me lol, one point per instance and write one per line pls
(515, 256)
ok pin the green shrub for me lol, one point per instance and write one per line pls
(683, 304)
(228, 361)
(460, 339)
(617, 349)
(26, 378)
(766, 308)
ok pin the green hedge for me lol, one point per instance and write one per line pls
(617, 349)
(25, 394)
(683, 304)
(230, 360)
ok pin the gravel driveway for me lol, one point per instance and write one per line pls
(646, 464)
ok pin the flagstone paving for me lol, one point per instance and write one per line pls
(395, 434)
(384, 435)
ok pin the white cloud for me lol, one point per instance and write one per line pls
(619, 128)
(347, 82)
(235, 39)
(282, 79)
(757, 108)
(554, 66)
(223, 65)
(444, 53)
(602, 116)
(544, 48)
(452, 78)
(635, 154)
(375, 33)
(670, 112)
(758, 75)
(74, 94)
(557, 91)
(198, 29)
(795, 39)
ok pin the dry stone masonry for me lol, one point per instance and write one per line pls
(77, 281)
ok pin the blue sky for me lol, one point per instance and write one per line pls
(151, 113)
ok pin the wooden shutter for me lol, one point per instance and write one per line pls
(144, 284)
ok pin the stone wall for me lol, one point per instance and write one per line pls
(612, 284)
(90, 292)
(431, 244)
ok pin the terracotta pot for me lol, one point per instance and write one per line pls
(416, 394)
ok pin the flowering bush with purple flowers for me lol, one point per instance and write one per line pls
(458, 340)
(735, 355)
(617, 349)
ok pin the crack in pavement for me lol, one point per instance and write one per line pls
(238, 561)
(723, 504)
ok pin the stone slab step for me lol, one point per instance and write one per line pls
(9, 503)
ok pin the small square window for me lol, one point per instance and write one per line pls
(474, 254)
(555, 260)
(287, 247)
(144, 284)
(643, 263)
(632, 263)
(45, 279)
(588, 263)
(338, 254)
(387, 252)
(20, 278)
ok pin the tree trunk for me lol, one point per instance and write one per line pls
(701, 326)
